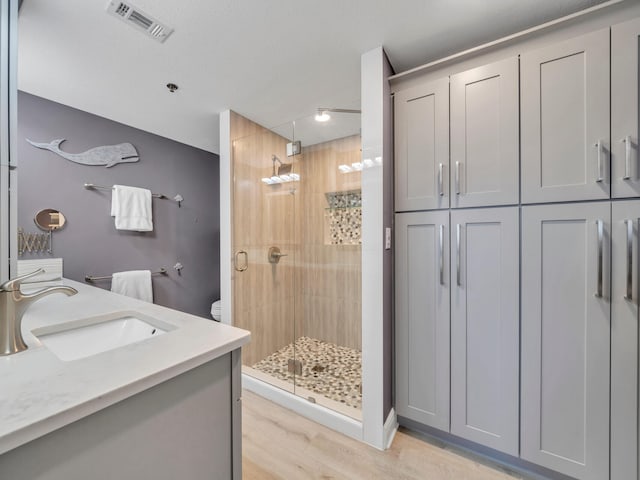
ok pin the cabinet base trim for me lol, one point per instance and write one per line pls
(480, 453)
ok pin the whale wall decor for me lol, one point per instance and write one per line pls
(108, 155)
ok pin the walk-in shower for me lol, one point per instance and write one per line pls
(297, 215)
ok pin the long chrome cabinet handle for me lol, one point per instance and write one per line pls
(627, 157)
(441, 238)
(236, 263)
(629, 294)
(600, 229)
(440, 180)
(457, 178)
(598, 146)
(458, 280)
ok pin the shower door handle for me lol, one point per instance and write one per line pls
(236, 262)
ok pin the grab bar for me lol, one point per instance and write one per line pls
(178, 198)
(92, 278)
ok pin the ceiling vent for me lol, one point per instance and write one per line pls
(139, 20)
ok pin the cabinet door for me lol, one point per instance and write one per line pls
(422, 147)
(565, 120)
(422, 317)
(624, 340)
(485, 321)
(484, 135)
(565, 338)
(625, 51)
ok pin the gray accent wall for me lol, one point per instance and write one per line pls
(89, 242)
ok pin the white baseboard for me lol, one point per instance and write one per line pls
(390, 428)
(336, 421)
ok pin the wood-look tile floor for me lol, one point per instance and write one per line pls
(279, 444)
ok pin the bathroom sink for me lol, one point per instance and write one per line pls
(87, 337)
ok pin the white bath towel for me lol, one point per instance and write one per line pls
(134, 283)
(132, 208)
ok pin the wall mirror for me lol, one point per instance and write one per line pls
(49, 219)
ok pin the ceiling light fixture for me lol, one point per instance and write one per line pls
(322, 114)
(172, 87)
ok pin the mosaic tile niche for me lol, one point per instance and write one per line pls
(343, 218)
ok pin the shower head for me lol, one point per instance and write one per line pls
(284, 169)
(283, 173)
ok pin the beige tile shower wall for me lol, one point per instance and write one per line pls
(263, 216)
(315, 291)
(330, 283)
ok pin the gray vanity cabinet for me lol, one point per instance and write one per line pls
(565, 120)
(625, 226)
(422, 147)
(625, 51)
(565, 350)
(485, 326)
(188, 427)
(422, 313)
(484, 135)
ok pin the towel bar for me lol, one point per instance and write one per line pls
(178, 198)
(91, 278)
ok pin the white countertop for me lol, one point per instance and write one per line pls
(40, 393)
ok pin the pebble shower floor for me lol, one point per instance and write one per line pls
(327, 369)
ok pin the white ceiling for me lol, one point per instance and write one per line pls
(271, 60)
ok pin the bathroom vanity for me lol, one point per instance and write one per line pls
(165, 407)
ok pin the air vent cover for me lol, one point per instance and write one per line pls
(138, 19)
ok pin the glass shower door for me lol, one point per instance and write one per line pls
(328, 307)
(264, 245)
(297, 244)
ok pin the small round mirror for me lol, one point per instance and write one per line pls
(49, 219)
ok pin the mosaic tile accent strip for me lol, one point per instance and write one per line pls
(350, 198)
(344, 217)
(327, 369)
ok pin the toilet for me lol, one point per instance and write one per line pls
(216, 310)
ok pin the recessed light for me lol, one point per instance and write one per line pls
(172, 87)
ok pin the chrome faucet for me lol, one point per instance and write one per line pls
(13, 304)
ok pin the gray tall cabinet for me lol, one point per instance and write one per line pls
(484, 326)
(517, 253)
(565, 338)
(422, 286)
(456, 270)
(625, 215)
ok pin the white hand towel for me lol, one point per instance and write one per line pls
(132, 208)
(135, 284)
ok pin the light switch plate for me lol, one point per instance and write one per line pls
(387, 238)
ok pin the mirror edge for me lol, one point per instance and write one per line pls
(8, 138)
